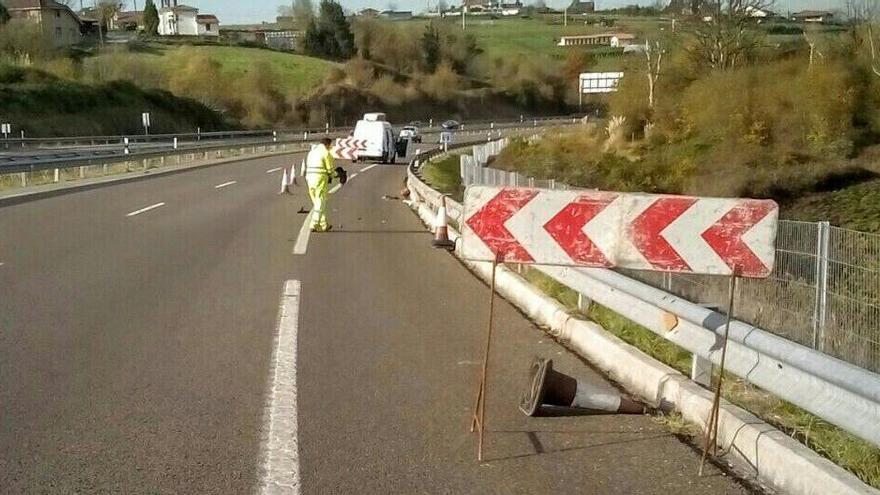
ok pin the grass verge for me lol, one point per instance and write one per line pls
(845, 450)
(443, 175)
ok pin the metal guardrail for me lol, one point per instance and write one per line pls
(824, 291)
(839, 392)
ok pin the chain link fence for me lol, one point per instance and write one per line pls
(824, 291)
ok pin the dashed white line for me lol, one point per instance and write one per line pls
(146, 209)
(281, 448)
(220, 186)
(302, 240)
(273, 170)
(353, 175)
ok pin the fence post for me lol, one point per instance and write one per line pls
(819, 311)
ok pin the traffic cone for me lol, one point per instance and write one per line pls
(292, 177)
(285, 183)
(552, 388)
(441, 230)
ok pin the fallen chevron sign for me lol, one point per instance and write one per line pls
(608, 229)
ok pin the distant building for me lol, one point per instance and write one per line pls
(368, 13)
(284, 19)
(582, 7)
(183, 20)
(615, 40)
(817, 16)
(396, 15)
(127, 21)
(60, 24)
(761, 14)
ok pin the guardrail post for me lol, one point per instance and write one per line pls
(326, 128)
(305, 135)
(57, 175)
(23, 176)
(584, 303)
(701, 370)
(198, 133)
(274, 137)
(145, 164)
(82, 172)
(820, 308)
(22, 138)
(104, 169)
(175, 142)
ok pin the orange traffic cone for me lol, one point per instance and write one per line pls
(441, 230)
(551, 388)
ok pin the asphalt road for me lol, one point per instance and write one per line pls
(138, 325)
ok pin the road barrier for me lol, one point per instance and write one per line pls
(824, 292)
(839, 392)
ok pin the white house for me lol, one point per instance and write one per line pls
(183, 20)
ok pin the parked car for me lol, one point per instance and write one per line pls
(412, 133)
(450, 125)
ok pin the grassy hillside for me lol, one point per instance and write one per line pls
(44, 105)
(296, 73)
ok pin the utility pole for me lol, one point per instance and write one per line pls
(463, 11)
(565, 17)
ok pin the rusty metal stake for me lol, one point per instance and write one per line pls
(711, 438)
(479, 417)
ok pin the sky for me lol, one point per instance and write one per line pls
(238, 12)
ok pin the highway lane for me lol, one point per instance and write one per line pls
(136, 351)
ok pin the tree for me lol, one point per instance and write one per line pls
(654, 54)
(723, 31)
(4, 14)
(442, 6)
(151, 18)
(330, 34)
(430, 44)
(106, 10)
(863, 16)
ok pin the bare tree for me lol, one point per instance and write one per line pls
(863, 15)
(654, 54)
(724, 31)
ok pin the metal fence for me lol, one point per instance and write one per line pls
(824, 291)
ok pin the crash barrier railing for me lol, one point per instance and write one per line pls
(839, 392)
(79, 168)
(824, 291)
(18, 141)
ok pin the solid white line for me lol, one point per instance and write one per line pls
(218, 186)
(369, 167)
(2, 263)
(273, 170)
(335, 188)
(302, 240)
(281, 448)
(142, 210)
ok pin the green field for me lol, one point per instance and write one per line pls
(519, 37)
(296, 73)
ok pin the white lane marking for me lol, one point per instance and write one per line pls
(302, 240)
(353, 175)
(273, 170)
(281, 448)
(335, 188)
(2, 263)
(369, 167)
(146, 209)
(219, 186)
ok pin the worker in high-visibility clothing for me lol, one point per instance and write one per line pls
(320, 169)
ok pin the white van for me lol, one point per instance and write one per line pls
(375, 130)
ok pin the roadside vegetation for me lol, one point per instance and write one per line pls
(840, 447)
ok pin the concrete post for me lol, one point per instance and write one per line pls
(57, 175)
(82, 172)
(23, 176)
(701, 371)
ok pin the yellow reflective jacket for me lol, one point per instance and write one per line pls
(320, 161)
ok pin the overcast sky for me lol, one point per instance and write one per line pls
(238, 12)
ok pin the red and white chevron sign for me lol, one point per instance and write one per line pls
(347, 148)
(605, 229)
